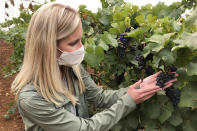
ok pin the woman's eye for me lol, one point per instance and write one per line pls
(74, 43)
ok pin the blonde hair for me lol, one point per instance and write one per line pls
(50, 23)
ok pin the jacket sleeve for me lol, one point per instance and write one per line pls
(50, 118)
(97, 96)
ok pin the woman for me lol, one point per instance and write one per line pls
(52, 88)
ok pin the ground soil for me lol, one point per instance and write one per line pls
(14, 122)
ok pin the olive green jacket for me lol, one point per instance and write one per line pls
(39, 115)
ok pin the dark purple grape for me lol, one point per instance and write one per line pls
(173, 69)
(128, 29)
(140, 47)
(149, 57)
(132, 48)
(119, 79)
(123, 44)
(121, 52)
(164, 77)
(124, 40)
(141, 61)
(174, 95)
(149, 71)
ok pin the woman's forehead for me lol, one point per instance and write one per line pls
(77, 34)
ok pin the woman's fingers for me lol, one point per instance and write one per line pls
(149, 96)
(136, 84)
(156, 74)
(151, 92)
(166, 86)
(148, 89)
(175, 74)
(171, 81)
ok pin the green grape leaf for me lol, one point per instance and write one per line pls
(133, 119)
(103, 44)
(184, 56)
(192, 19)
(91, 31)
(187, 40)
(127, 22)
(108, 38)
(192, 69)
(168, 127)
(99, 52)
(177, 25)
(161, 39)
(137, 33)
(154, 47)
(166, 113)
(167, 56)
(189, 96)
(176, 119)
(156, 61)
(91, 41)
(149, 110)
(189, 126)
(94, 55)
(105, 20)
(150, 129)
(150, 18)
(140, 19)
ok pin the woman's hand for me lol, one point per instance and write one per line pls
(148, 88)
(152, 80)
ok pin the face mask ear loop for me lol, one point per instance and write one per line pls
(60, 50)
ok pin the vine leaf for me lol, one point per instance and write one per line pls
(189, 126)
(166, 113)
(187, 40)
(155, 47)
(192, 19)
(94, 55)
(109, 39)
(167, 56)
(192, 69)
(189, 96)
(168, 127)
(161, 39)
(140, 19)
(176, 119)
(149, 110)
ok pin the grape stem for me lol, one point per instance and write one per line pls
(143, 72)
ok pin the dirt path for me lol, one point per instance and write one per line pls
(14, 123)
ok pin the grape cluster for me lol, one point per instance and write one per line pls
(164, 77)
(141, 61)
(123, 44)
(174, 95)
(132, 48)
(172, 68)
(149, 57)
(128, 29)
(119, 78)
(140, 47)
(149, 71)
(124, 40)
(134, 23)
(121, 52)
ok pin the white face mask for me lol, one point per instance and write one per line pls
(71, 58)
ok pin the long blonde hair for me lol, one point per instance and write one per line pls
(50, 23)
